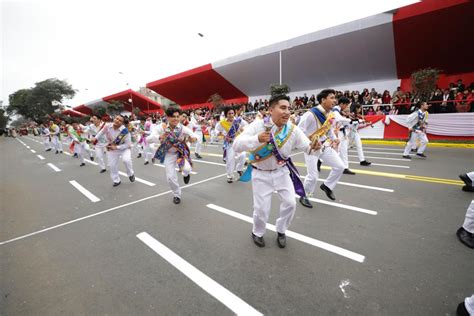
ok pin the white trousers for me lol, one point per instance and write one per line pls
(148, 152)
(416, 136)
(198, 142)
(234, 162)
(46, 143)
(343, 148)
(264, 183)
(213, 134)
(172, 174)
(113, 157)
(358, 144)
(330, 158)
(100, 155)
(56, 143)
(469, 219)
(80, 149)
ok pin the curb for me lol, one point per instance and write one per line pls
(399, 143)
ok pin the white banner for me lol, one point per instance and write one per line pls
(449, 124)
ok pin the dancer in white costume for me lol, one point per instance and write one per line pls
(174, 151)
(230, 127)
(358, 121)
(118, 146)
(100, 150)
(270, 142)
(417, 123)
(319, 124)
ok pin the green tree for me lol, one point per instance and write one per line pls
(114, 108)
(37, 102)
(423, 83)
(3, 119)
(99, 111)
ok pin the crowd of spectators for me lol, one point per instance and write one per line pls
(456, 98)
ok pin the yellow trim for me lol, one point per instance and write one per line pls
(397, 176)
(400, 143)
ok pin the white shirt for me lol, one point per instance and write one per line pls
(110, 134)
(248, 141)
(310, 124)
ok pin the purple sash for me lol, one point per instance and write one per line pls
(294, 174)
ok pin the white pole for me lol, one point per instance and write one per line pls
(280, 67)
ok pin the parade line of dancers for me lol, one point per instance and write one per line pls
(257, 151)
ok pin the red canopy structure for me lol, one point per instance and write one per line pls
(195, 86)
(129, 98)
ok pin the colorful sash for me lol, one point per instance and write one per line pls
(120, 137)
(232, 131)
(325, 122)
(422, 118)
(271, 148)
(172, 140)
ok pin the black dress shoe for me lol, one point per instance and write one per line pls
(92, 158)
(365, 163)
(466, 179)
(230, 180)
(82, 164)
(413, 150)
(75, 155)
(328, 192)
(348, 171)
(48, 149)
(461, 310)
(132, 178)
(240, 173)
(406, 157)
(198, 156)
(465, 237)
(57, 152)
(139, 156)
(319, 165)
(61, 152)
(153, 160)
(116, 184)
(176, 200)
(305, 202)
(281, 240)
(421, 155)
(146, 163)
(468, 188)
(186, 179)
(259, 241)
(103, 170)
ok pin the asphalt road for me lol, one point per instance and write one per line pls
(387, 248)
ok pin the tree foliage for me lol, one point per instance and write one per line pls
(3, 119)
(114, 108)
(37, 102)
(423, 83)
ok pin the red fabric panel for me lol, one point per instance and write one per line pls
(195, 86)
(83, 109)
(438, 39)
(397, 131)
(443, 81)
(423, 7)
